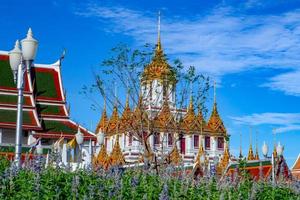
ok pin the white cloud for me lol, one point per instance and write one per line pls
(284, 121)
(221, 42)
(287, 82)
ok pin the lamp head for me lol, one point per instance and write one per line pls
(279, 149)
(79, 137)
(39, 149)
(29, 46)
(100, 137)
(15, 57)
(265, 149)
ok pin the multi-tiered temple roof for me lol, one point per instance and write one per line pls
(45, 111)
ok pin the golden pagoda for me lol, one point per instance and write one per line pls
(215, 122)
(159, 69)
(102, 158)
(165, 120)
(250, 153)
(200, 119)
(200, 153)
(256, 157)
(188, 122)
(139, 116)
(113, 123)
(274, 152)
(103, 120)
(175, 157)
(126, 118)
(117, 157)
(224, 160)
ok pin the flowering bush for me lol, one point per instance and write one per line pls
(54, 183)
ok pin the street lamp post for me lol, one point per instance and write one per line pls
(79, 139)
(20, 60)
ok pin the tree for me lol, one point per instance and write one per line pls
(128, 70)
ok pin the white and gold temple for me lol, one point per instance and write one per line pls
(181, 133)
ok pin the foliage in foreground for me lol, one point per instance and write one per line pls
(36, 183)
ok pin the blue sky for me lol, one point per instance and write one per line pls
(251, 48)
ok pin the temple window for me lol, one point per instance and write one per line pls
(196, 141)
(105, 142)
(207, 142)
(170, 139)
(130, 139)
(220, 143)
(156, 138)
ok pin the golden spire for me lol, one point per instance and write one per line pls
(224, 159)
(113, 121)
(250, 152)
(158, 48)
(256, 149)
(189, 119)
(104, 120)
(200, 153)
(241, 154)
(126, 118)
(159, 69)
(274, 141)
(200, 119)
(165, 118)
(102, 158)
(175, 157)
(215, 122)
(117, 157)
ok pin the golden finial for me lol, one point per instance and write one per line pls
(200, 153)
(127, 100)
(256, 149)
(102, 158)
(224, 159)
(241, 154)
(104, 120)
(158, 33)
(215, 94)
(175, 157)
(215, 122)
(191, 105)
(250, 152)
(117, 157)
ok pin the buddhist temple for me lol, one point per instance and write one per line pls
(46, 114)
(179, 132)
(296, 168)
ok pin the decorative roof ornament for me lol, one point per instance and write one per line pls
(224, 159)
(103, 120)
(250, 151)
(102, 158)
(188, 122)
(113, 123)
(175, 157)
(159, 68)
(165, 119)
(117, 157)
(215, 122)
(200, 119)
(126, 118)
(241, 154)
(139, 116)
(256, 157)
(200, 153)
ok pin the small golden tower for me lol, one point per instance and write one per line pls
(215, 122)
(102, 158)
(103, 120)
(117, 157)
(175, 157)
(250, 151)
